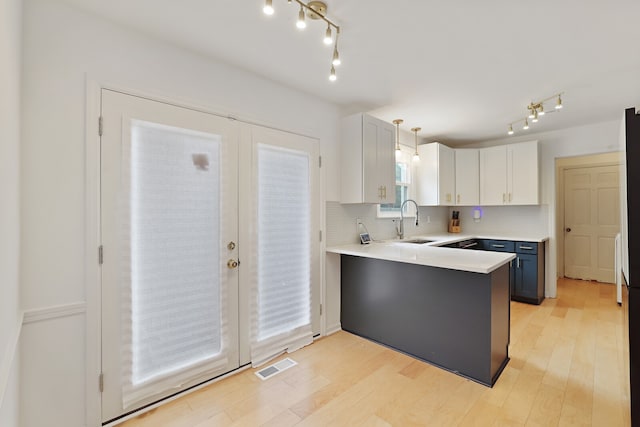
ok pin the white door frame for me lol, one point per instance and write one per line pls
(92, 271)
(565, 163)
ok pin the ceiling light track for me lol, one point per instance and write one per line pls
(536, 111)
(315, 10)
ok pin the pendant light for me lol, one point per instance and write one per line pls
(416, 155)
(397, 122)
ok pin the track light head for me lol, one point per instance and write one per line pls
(268, 7)
(541, 110)
(510, 131)
(327, 36)
(559, 103)
(301, 24)
(332, 74)
(526, 124)
(336, 56)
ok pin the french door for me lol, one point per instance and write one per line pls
(169, 203)
(187, 294)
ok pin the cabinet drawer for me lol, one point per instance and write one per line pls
(526, 247)
(499, 245)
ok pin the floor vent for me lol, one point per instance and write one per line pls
(276, 368)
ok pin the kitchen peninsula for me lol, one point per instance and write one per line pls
(448, 307)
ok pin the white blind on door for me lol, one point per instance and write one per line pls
(172, 323)
(281, 314)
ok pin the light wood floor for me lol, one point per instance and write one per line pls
(567, 368)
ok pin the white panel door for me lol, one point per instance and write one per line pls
(169, 200)
(592, 220)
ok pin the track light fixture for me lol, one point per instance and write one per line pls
(415, 131)
(315, 10)
(535, 110)
(398, 122)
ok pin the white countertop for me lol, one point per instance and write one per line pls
(430, 254)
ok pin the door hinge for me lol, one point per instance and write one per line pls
(100, 255)
(101, 382)
(320, 309)
(320, 235)
(319, 161)
(100, 126)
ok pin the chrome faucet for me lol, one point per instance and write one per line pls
(400, 230)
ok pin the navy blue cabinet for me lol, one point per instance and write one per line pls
(528, 285)
(526, 275)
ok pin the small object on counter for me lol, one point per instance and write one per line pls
(454, 222)
(365, 239)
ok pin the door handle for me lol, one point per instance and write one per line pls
(232, 263)
(568, 230)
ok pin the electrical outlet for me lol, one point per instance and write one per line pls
(358, 222)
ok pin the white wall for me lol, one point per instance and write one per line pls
(577, 141)
(61, 47)
(10, 63)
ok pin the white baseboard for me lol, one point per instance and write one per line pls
(333, 329)
(7, 360)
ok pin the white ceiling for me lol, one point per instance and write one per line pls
(461, 70)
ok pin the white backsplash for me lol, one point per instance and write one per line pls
(507, 219)
(342, 229)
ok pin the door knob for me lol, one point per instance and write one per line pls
(568, 229)
(232, 263)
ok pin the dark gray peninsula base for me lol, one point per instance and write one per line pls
(457, 320)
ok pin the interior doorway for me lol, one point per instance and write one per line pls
(588, 216)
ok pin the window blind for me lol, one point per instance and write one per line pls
(281, 309)
(172, 323)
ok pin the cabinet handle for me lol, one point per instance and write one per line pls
(526, 247)
(504, 197)
(497, 246)
(384, 192)
(518, 258)
(458, 198)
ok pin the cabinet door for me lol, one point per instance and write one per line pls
(467, 166)
(526, 277)
(446, 175)
(493, 174)
(522, 174)
(378, 161)
(386, 162)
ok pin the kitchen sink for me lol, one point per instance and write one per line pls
(416, 241)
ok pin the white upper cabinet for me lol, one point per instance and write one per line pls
(368, 160)
(467, 166)
(509, 174)
(435, 175)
